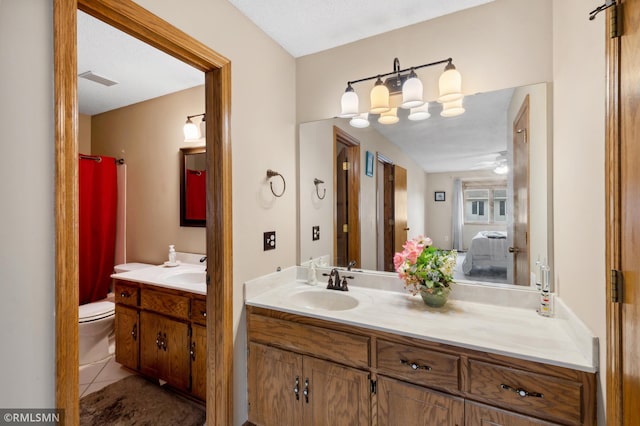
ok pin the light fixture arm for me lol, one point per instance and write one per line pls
(189, 117)
(396, 70)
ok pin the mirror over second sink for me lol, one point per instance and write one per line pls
(445, 160)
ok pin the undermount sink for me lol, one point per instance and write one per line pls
(330, 300)
(187, 277)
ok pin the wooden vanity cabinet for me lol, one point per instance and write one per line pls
(410, 381)
(157, 336)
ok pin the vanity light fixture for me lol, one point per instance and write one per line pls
(193, 132)
(406, 82)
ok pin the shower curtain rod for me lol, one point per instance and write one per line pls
(97, 158)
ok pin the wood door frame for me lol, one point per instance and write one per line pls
(614, 367)
(524, 108)
(136, 21)
(343, 137)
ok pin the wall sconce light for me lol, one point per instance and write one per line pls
(318, 182)
(404, 81)
(193, 132)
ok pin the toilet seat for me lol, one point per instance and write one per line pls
(96, 311)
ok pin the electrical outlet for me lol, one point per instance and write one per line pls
(269, 240)
(315, 233)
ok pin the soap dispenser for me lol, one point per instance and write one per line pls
(172, 254)
(312, 277)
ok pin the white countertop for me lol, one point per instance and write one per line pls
(162, 275)
(515, 332)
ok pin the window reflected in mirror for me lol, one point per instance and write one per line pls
(193, 196)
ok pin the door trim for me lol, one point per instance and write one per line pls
(614, 365)
(140, 23)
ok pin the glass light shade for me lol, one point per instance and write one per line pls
(379, 98)
(450, 85)
(349, 103)
(451, 109)
(412, 93)
(389, 117)
(190, 130)
(360, 121)
(419, 113)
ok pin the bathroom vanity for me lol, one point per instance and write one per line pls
(319, 358)
(161, 326)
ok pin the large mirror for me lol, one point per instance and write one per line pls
(479, 183)
(193, 178)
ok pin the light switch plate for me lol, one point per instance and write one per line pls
(269, 240)
(315, 233)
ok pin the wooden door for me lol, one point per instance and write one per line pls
(275, 386)
(394, 196)
(520, 248)
(347, 173)
(399, 207)
(623, 219)
(401, 404)
(198, 354)
(484, 415)
(337, 395)
(127, 334)
(342, 208)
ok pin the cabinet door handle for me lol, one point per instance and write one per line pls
(159, 340)
(415, 365)
(521, 392)
(164, 342)
(305, 392)
(134, 332)
(193, 351)
(296, 389)
(203, 313)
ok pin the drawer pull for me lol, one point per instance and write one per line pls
(305, 392)
(296, 388)
(415, 366)
(124, 294)
(203, 313)
(521, 392)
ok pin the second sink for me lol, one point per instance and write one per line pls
(187, 277)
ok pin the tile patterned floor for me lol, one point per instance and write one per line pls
(97, 375)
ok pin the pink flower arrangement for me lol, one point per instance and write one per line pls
(423, 267)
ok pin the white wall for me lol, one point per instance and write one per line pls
(27, 366)
(578, 172)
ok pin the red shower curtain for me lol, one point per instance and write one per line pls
(98, 200)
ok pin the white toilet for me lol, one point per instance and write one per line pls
(97, 324)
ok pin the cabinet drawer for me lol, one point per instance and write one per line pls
(169, 304)
(199, 311)
(418, 365)
(126, 294)
(550, 397)
(344, 348)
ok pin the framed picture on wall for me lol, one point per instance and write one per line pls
(369, 165)
(439, 195)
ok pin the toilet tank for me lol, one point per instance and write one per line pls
(126, 267)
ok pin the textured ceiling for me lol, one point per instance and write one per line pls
(303, 27)
(142, 72)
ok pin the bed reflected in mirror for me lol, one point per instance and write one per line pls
(193, 178)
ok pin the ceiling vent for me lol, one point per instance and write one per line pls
(90, 75)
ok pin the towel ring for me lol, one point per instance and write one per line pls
(317, 182)
(270, 174)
